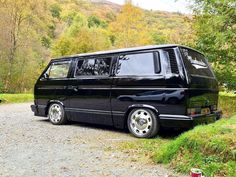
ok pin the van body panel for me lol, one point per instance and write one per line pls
(203, 86)
(181, 88)
(89, 100)
(139, 91)
(51, 90)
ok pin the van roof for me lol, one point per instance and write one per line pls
(122, 50)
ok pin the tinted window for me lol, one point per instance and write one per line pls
(167, 62)
(171, 64)
(93, 67)
(59, 70)
(138, 64)
(196, 63)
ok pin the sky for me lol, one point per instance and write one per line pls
(163, 5)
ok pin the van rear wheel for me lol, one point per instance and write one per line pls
(143, 123)
(56, 114)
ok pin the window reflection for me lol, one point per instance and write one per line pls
(93, 67)
(59, 70)
(136, 64)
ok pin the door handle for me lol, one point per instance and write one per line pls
(75, 88)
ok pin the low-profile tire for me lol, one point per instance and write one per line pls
(143, 123)
(56, 114)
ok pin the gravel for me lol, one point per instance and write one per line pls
(32, 146)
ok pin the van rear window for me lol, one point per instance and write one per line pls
(196, 63)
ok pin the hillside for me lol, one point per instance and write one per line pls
(62, 27)
(106, 10)
(163, 27)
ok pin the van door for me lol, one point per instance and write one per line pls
(90, 91)
(52, 85)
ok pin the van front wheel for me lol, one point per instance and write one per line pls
(143, 123)
(56, 114)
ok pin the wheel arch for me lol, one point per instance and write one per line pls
(135, 106)
(50, 103)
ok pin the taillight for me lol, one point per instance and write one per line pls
(193, 111)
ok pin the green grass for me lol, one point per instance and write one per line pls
(16, 98)
(229, 94)
(227, 103)
(143, 147)
(211, 148)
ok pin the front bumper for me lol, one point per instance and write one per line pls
(182, 121)
(39, 110)
(33, 108)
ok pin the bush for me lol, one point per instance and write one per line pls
(226, 74)
(227, 102)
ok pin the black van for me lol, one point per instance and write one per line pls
(140, 89)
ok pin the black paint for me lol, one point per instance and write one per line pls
(108, 99)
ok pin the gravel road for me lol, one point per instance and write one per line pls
(31, 146)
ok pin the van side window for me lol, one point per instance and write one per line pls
(93, 67)
(138, 64)
(59, 70)
(172, 65)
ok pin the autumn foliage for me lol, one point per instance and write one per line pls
(33, 31)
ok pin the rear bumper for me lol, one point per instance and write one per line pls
(181, 121)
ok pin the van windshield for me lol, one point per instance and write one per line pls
(196, 63)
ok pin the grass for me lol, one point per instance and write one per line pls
(211, 148)
(227, 103)
(16, 98)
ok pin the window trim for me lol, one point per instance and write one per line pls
(156, 60)
(92, 76)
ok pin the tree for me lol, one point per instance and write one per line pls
(94, 21)
(21, 24)
(82, 35)
(55, 11)
(215, 25)
(129, 28)
(33, 30)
